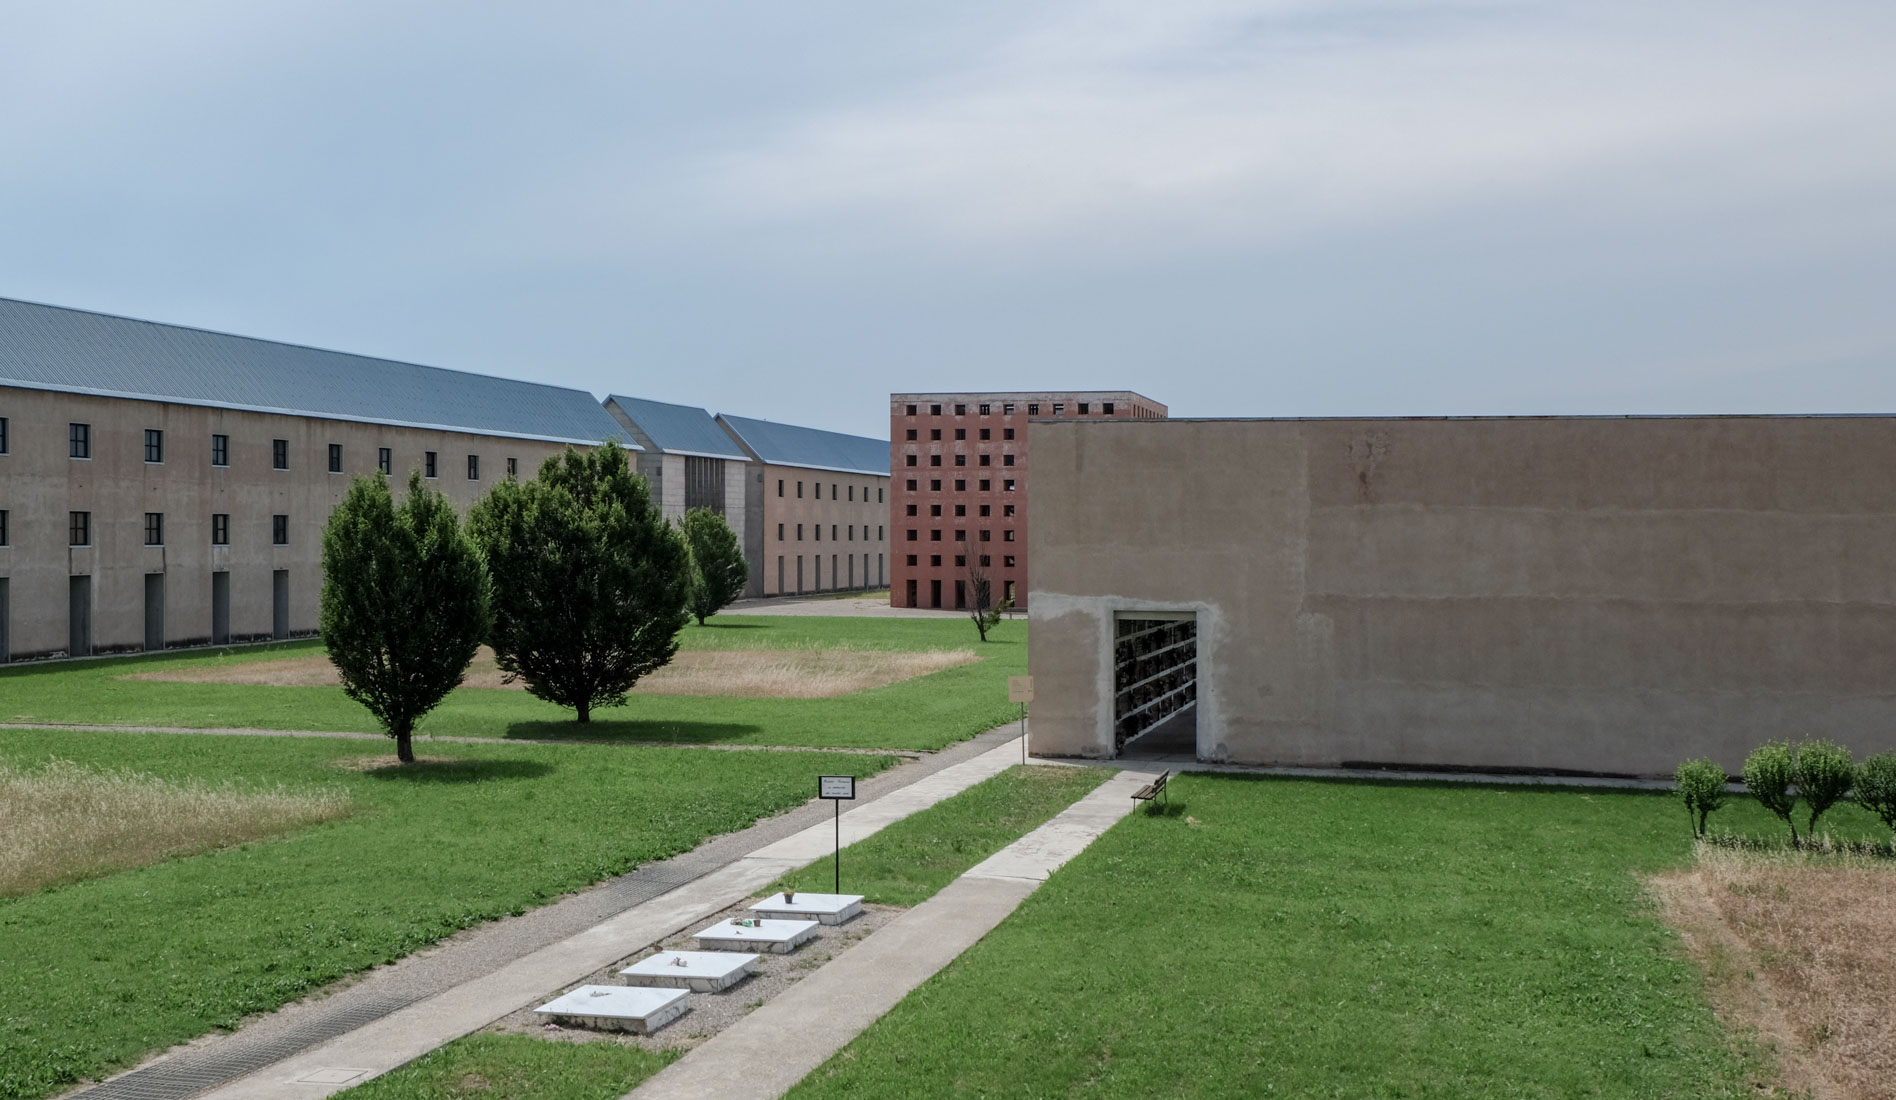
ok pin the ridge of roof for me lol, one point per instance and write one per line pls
(813, 448)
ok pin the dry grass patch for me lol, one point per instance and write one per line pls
(816, 672)
(1801, 947)
(65, 822)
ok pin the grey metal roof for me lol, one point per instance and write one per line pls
(679, 429)
(75, 351)
(789, 445)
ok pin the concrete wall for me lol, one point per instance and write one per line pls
(1607, 595)
(834, 525)
(40, 485)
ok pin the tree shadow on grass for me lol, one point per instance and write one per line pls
(632, 731)
(461, 771)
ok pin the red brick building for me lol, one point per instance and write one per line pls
(959, 476)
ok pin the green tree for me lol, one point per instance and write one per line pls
(1769, 772)
(1701, 784)
(589, 579)
(405, 602)
(981, 606)
(1876, 787)
(718, 569)
(1824, 774)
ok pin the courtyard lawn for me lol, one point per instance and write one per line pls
(908, 861)
(518, 1067)
(923, 713)
(1308, 938)
(100, 973)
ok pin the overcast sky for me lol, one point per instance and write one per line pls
(787, 210)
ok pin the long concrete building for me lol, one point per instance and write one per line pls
(168, 486)
(1600, 595)
(816, 508)
(686, 458)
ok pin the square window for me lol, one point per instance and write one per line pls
(911, 410)
(279, 454)
(961, 433)
(961, 560)
(960, 535)
(911, 509)
(220, 450)
(1007, 460)
(1033, 408)
(473, 467)
(985, 459)
(335, 458)
(961, 460)
(986, 485)
(984, 410)
(934, 559)
(1007, 433)
(1007, 535)
(79, 440)
(934, 433)
(384, 460)
(986, 561)
(911, 485)
(427, 464)
(1008, 561)
(154, 445)
(961, 509)
(961, 485)
(961, 410)
(220, 528)
(1007, 409)
(985, 533)
(1106, 408)
(911, 434)
(934, 410)
(911, 559)
(987, 509)
(154, 528)
(911, 534)
(1007, 486)
(79, 528)
(934, 509)
(934, 485)
(1085, 407)
(987, 433)
(935, 535)
(279, 530)
(1059, 408)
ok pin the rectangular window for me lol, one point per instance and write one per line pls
(1008, 561)
(335, 458)
(816, 532)
(1007, 433)
(1033, 408)
(799, 490)
(427, 464)
(154, 528)
(513, 466)
(473, 467)
(79, 440)
(1007, 460)
(1106, 408)
(985, 410)
(934, 485)
(79, 529)
(3, 435)
(1007, 535)
(220, 529)
(878, 532)
(1085, 407)
(832, 491)
(879, 492)
(279, 454)
(986, 561)
(384, 460)
(852, 493)
(832, 532)
(799, 532)
(154, 445)
(779, 486)
(1007, 510)
(852, 532)
(279, 530)
(780, 532)
(3, 527)
(220, 450)
(1007, 409)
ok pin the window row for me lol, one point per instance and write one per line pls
(817, 531)
(960, 460)
(1084, 408)
(961, 486)
(962, 433)
(79, 529)
(836, 490)
(962, 509)
(79, 445)
(961, 560)
(961, 535)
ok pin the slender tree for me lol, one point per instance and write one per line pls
(1770, 771)
(1876, 788)
(718, 569)
(405, 602)
(981, 606)
(1824, 774)
(1701, 784)
(589, 579)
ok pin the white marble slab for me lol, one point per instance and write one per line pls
(779, 937)
(618, 1008)
(824, 908)
(699, 971)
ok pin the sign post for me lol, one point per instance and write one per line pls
(836, 788)
(1020, 689)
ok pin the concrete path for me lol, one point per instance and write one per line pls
(1185, 762)
(422, 740)
(761, 1056)
(414, 1030)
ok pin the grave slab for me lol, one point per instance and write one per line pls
(698, 971)
(779, 937)
(824, 908)
(618, 1008)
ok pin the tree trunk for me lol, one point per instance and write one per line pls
(584, 706)
(404, 746)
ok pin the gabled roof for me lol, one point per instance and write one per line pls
(75, 351)
(789, 445)
(676, 429)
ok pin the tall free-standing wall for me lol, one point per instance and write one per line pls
(1597, 594)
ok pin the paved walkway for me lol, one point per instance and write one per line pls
(1185, 762)
(424, 739)
(761, 1056)
(423, 1025)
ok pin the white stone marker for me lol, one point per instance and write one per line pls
(699, 971)
(826, 908)
(779, 937)
(618, 1008)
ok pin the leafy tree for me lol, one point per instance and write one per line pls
(1876, 787)
(1769, 772)
(405, 602)
(589, 579)
(981, 606)
(1824, 774)
(1701, 784)
(718, 569)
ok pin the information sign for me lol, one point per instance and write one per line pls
(836, 786)
(1020, 689)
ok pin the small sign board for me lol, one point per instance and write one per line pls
(836, 786)
(1020, 689)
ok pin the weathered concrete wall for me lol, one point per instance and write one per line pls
(40, 485)
(833, 525)
(1603, 595)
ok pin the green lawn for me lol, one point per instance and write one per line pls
(924, 713)
(517, 1067)
(908, 861)
(1330, 939)
(99, 973)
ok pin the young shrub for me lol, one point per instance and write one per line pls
(405, 602)
(981, 606)
(1876, 787)
(1824, 774)
(718, 568)
(1701, 784)
(589, 579)
(1769, 772)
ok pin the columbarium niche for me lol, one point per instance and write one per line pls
(1155, 682)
